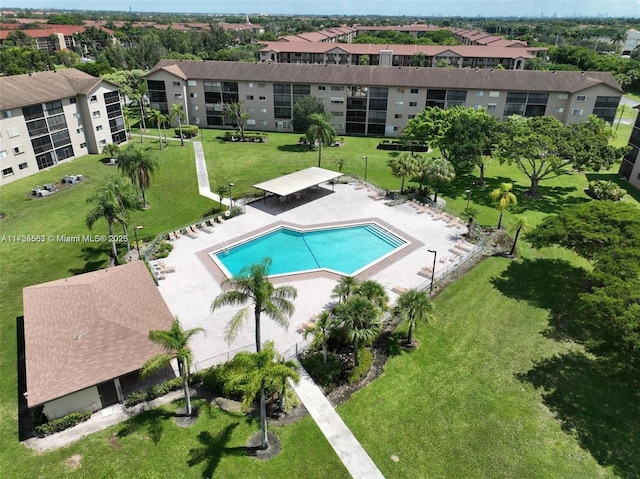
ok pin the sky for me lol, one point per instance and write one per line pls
(453, 8)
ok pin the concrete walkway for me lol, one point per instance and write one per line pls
(347, 447)
(204, 188)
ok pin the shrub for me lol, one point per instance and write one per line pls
(162, 250)
(136, 397)
(60, 424)
(605, 190)
(326, 374)
(155, 391)
(189, 131)
(214, 378)
(360, 371)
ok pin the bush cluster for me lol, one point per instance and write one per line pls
(360, 371)
(188, 131)
(605, 190)
(162, 250)
(60, 424)
(155, 391)
(325, 374)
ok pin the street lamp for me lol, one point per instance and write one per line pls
(135, 233)
(468, 197)
(433, 270)
(230, 196)
(366, 164)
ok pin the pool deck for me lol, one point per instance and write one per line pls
(196, 281)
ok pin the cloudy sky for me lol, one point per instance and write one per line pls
(491, 8)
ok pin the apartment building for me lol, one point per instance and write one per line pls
(370, 100)
(49, 117)
(630, 166)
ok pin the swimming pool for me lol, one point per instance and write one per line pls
(344, 250)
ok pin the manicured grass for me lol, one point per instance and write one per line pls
(464, 405)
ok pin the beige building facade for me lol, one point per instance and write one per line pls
(49, 117)
(367, 100)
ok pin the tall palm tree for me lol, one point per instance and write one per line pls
(360, 321)
(504, 197)
(127, 200)
(322, 330)
(111, 150)
(413, 306)
(156, 116)
(139, 166)
(374, 292)
(105, 205)
(253, 286)
(320, 130)
(126, 112)
(252, 373)
(402, 166)
(177, 112)
(176, 345)
(521, 224)
(345, 288)
(422, 164)
(439, 171)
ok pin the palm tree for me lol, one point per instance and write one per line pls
(345, 288)
(322, 330)
(177, 111)
(504, 197)
(402, 166)
(521, 224)
(127, 200)
(413, 306)
(106, 205)
(175, 343)
(221, 190)
(320, 130)
(422, 164)
(374, 292)
(439, 170)
(252, 373)
(112, 150)
(126, 112)
(156, 116)
(139, 166)
(360, 322)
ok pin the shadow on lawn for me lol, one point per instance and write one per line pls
(605, 420)
(150, 421)
(94, 258)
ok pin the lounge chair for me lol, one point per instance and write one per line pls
(205, 228)
(398, 289)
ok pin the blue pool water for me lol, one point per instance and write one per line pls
(344, 250)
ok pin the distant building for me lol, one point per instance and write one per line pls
(630, 166)
(49, 117)
(50, 38)
(371, 100)
(631, 42)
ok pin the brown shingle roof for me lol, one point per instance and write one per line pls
(39, 87)
(512, 80)
(86, 329)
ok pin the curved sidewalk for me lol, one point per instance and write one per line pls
(347, 447)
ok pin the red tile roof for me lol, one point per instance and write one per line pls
(66, 30)
(90, 328)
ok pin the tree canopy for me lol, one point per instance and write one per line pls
(305, 106)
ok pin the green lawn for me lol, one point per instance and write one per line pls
(466, 404)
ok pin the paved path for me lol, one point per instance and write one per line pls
(349, 450)
(204, 188)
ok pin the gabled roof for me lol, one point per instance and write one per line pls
(87, 329)
(39, 87)
(66, 30)
(452, 78)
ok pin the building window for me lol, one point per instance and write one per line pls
(492, 106)
(477, 107)
(18, 150)
(7, 114)
(261, 85)
(337, 101)
(413, 103)
(322, 87)
(414, 90)
(7, 172)
(494, 94)
(559, 109)
(263, 122)
(262, 98)
(581, 98)
(563, 96)
(479, 93)
(193, 95)
(249, 97)
(93, 98)
(250, 85)
(99, 128)
(83, 145)
(72, 100)
(400, 90)
(96, 114)
(337, 88)
(337, 126)
(410, 116)
(396, 128)
(195, 107)
(13, 132)
(23, 166)
(399, 103)
(337, 113)
(251, 109)
(263, 110)
(251, 122)
(177, 96)
(576, 112)
(176, 83)
(398, 115)
(102, 142)
(192, 83)
(79, 130)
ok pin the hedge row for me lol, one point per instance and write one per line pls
(155, 391)
(188, 131)
(60, 424)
